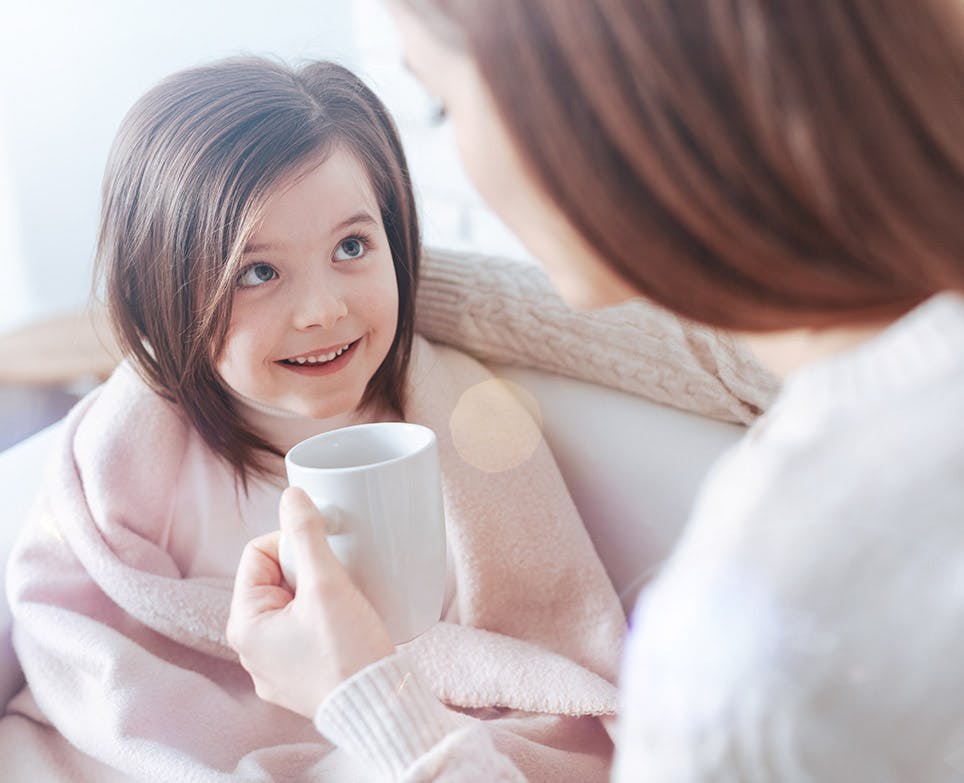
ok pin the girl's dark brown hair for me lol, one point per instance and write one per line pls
(751, 164)
(190, 172)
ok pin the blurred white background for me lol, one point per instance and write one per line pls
(69, 71)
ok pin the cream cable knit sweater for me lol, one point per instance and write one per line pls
(507, 311)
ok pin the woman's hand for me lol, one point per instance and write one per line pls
(299, 647)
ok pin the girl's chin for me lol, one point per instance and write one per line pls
(321, 412)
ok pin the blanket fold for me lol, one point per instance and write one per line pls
(120, 606)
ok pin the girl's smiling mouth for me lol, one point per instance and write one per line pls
(321, 362)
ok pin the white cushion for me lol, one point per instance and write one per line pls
(633, 467)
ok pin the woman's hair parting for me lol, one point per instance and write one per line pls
(752, 164)
(190, 172)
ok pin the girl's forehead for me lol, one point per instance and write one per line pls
(338, 171)
(320, 197)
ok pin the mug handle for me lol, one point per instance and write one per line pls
(334, 519)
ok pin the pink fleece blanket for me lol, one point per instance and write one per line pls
(121, 635)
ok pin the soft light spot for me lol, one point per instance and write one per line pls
(496, 425)
(49, 524)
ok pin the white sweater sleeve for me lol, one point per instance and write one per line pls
(689, 713)
(387, 719)
(507, 311)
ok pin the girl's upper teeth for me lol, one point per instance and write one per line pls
(320, 358)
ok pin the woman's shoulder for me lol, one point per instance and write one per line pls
(793, 657)
(857, 506)
(884, 471)
(810, 579)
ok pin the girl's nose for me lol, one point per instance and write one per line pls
(320, 308)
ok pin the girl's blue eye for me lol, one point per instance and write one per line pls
(256, 274)
(353, 247)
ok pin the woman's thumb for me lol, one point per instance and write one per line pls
(305, 532)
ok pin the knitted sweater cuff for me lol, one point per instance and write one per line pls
(385, 716)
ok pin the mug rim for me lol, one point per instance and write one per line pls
(429, 443)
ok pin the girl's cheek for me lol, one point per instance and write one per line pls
(381, 291)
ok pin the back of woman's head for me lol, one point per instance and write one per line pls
(191, 170)
(752, 164)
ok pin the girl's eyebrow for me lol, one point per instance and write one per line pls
(259, 247)
(361, 217)
(358, 217)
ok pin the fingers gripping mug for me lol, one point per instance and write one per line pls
(379, 487)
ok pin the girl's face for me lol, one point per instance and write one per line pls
(493, 163)
(316, 300)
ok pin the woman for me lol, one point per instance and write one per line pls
(792, 172)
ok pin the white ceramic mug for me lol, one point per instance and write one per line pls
(380, 488)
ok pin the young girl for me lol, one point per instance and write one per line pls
(260, 250)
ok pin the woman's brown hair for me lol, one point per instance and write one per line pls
(191, 169)
(751, 164)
